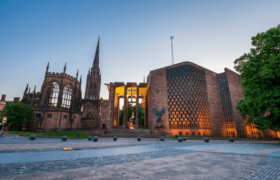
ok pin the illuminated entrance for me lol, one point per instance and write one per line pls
(130, 100)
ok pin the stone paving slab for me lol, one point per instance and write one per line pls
(25, 145)
(130, 159)
(191, 166)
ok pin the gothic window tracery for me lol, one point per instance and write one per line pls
(54, 90)
(67, 95)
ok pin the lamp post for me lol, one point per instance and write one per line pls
(3, 123)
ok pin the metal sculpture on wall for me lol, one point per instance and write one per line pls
(159, 116)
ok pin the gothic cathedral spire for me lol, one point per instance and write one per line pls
(96, 57)
(94, 78)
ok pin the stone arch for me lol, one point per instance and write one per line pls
(67, 96)
(50, 83)
(53, 93)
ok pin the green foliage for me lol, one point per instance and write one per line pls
(18, 113)
(132, 110)
(260, 74)
(121, 117)
(141, 115)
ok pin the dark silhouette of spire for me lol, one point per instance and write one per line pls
(26, 89)
(77, 74)
(81, 79)
(47, 67)
(64, 68)
(96, 57)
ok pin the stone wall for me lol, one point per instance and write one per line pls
(158, 99)
(105, 115)
(236, 93)
(215, 104)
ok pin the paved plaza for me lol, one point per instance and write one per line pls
(128, 158)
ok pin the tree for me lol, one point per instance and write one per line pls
(132, 110)
(260, 75)
(140, 115)
(18, 113)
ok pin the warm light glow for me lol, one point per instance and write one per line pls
(120, 90)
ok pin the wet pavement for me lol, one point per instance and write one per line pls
(44, 157)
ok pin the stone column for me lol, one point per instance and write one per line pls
(110, 124)
(147, 109)
(118, 113)
(137, 108)
(116, 110)
(126, 123)
(124, 108)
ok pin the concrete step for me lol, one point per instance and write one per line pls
(131, 135)
(130, 131)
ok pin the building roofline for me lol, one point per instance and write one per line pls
(185, 63)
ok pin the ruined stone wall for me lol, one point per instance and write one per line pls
(105, 115)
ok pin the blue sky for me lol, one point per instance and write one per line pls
(134, 37)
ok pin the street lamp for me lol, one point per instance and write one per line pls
(3, 123)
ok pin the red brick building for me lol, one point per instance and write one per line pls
(57, 107)
(195, 101)
(184, 99)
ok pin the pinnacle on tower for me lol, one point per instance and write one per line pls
(81, 79)
(77, 74)
(47, 67)
(64, 70)
(26, 89)
(96, 57)
(34, 92)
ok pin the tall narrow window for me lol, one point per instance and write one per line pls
(90, 87)
(93, 73)
(89, 115)
(95, 86)
(54, 90)
(66, 98)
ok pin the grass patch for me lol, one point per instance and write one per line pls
(73, 134)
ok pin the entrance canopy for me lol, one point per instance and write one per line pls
(120, 86)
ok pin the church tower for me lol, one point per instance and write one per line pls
(94, 78)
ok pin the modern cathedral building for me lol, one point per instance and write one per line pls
(182, 99)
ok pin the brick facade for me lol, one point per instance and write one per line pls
(197, 102)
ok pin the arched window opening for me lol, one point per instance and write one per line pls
(67, 95)
(36, 101)
(90, 87)
(89, 115)
(54, 90)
